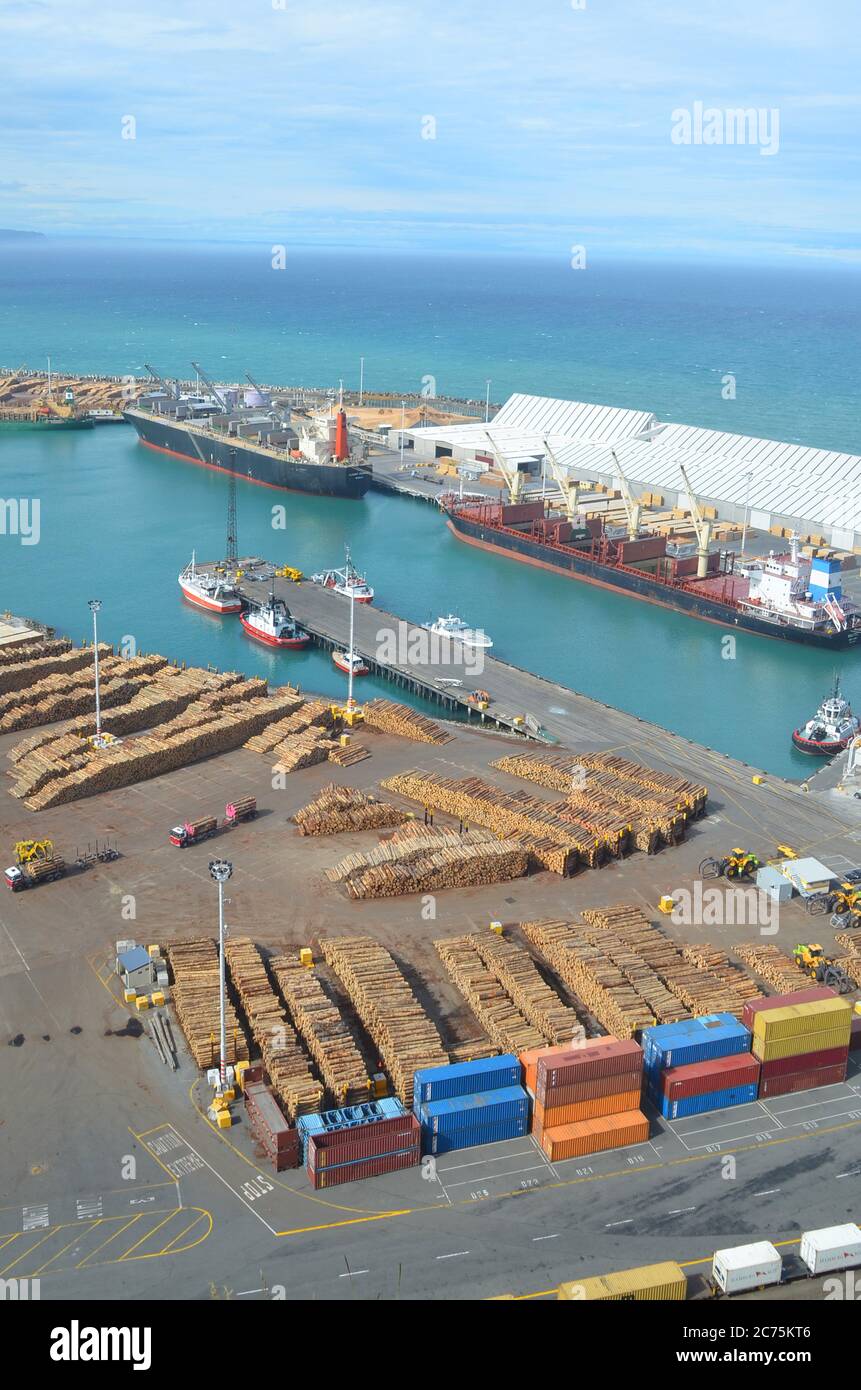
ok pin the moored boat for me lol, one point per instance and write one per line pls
(831, 729)
(207, 590)
(346, 581)
(274, 624)
(456, 630)
(347, 661)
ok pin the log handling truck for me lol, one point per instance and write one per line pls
(193, 832)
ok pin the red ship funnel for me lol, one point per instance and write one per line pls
(342, 448)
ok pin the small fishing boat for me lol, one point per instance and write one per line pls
(207, 590)
(456, 630)
(274, 624)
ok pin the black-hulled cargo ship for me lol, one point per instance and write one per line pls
(787, 596)
(253, 441)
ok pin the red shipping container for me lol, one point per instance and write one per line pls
(807, 1061)
(783, 1001)
(368, 1168)
(598, 1058)
(365, 1141)
(599, 1086)
(265, 1117)
(697, 1078)
(530, 1058)
(801, 1081)
(855, 1035)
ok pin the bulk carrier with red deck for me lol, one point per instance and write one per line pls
(786, 596)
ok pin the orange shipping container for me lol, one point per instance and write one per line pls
(593, 1136)
(595, 1087)
(553, 1116)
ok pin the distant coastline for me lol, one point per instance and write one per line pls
(12, 234)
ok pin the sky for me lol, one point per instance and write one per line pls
(481, 125)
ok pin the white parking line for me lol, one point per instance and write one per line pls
(855, 1172)
(769, 1191)
(628, 1222)
(454, 1256)
(553, 1237)
(479, 1162)
(468, 1182)
(351, 1274)
(816, 1104)
(680, 1211)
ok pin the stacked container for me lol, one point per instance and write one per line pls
(587, 1098)
(855, 1035)
(658, 1282)
(801, 1044)
(365, 1151)
(470, 1103)
(681, 1077)
(351, 1117)
(273, 1133)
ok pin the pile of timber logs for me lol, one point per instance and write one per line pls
(392, 718)
(779, 969)
(345, 755)
(592, 977)
(194, 965)
(303, 715)
(517, 971)
(476, 802)
(404, 1036)
(287, 1065)
(850, 939)
(31, 648)
(428, 862)
(337, 810)
(688, 797)
(300, 750)
(474, 1050)
(629, 957)
(488, 998)
(717, 962)
(324, 1032)
(197, 733)
(851, 965)
(26, 672)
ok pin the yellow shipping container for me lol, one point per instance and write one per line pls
(663, 1281)
(773, 1049)
(802, 1018)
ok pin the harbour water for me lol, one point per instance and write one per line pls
(118, 521)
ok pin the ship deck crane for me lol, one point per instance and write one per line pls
(701, 526)
(513, 477)
(567, 486)
(169, 390)
(212, 388)
(631, 503)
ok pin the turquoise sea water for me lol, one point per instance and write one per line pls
(118, 521)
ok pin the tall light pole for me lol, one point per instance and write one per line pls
(403, 419)
(221, 869)
(361, 379)
(746, 512)
(487, 405)
(94, 604)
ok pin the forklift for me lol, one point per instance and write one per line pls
(739, 864)
(810, 957)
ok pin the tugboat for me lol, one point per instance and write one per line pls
(456, 630)
(274, 624)
(346, 581)
(209, 591)
(347, 660)
(831, 729)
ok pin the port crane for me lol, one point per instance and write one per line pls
(632, 504)
(513, 477)
(166, 386)
(567, 486)
(211, 387)
(701, 526)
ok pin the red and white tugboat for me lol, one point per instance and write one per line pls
(346, 581)
(207, 590)
(831, 729)
(274, 624)
(345, 661)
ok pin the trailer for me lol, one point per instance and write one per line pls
(36, 871)
(745, 1267)
(192, 832)
(831, 1248)
(243, 808)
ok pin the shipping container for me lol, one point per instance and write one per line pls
(810, 1061)
(664, 1281)
(802, 1081)
(774, 1049)
(797, 1020)
(530, 1057)
(473, 1136)
(855, 1035)
(461, 1112)
(724, 1073)
(782, 1001)
(349, 1119)
(594, 1136)
(550, 1117)
(407, 1147)
(370, 1168)
(269, 1125)
(834, 1247)
(465, 1078)
(747, 1267)
(600, 1058)
(709, 1100)
(595, 1088)
(694, 1040)
(388, 1136)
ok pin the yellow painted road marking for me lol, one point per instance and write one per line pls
(137, 1217)
(201, 1214)
(147, 1234)
(75, 1237)
(191, 1224)
(30, 1248)
(14, 1236)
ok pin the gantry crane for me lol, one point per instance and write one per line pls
(702, 527)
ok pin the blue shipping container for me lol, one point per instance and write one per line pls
(474, 1135)
(389, 1108)
(465, 1078)
(463, 1112)
(712, 1100)
(693, 1040)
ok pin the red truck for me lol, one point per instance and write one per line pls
(194, 831)
(21, 876)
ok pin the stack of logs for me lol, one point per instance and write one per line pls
(346, 754)
(401, 1030)
(774, 966)
(337, 810)
(392, 718)
(425, 860)
(688, 797)
(587, 972)
(194, 964)
(491, 1003)
(850, 939)
(31, 649)
(32, 666)
(476, 802)
(283, 1056)
(517, 971)
(303, 715)
(324, 1032)
(304, 749)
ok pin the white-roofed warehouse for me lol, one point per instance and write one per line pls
(789, 485)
